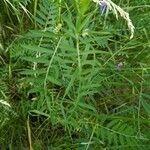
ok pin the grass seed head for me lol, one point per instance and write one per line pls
(117, 10)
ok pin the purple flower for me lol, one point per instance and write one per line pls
(119, 66)
(103, 6)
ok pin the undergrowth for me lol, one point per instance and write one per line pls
(75, 80)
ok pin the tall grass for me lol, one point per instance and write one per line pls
(71, 77)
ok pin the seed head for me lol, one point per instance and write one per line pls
(117, 10)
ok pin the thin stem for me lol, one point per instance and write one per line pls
(35, 7)
(59, 17)
(78, 53)
(91, 137)
(29, 134)
(50, 62)
(139, 105)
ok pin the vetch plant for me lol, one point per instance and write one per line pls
(89, 88)
(108, 4)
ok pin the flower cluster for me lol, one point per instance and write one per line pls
(116, 10)
(103, 6)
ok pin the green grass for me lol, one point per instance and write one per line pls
(71, 78)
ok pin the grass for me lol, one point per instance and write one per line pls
(71, 77)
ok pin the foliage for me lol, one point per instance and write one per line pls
(75, 80)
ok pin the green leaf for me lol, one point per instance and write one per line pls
(146, 96)
(83, 6)
(32, 72)
(37, 49)
(112, 123)
(36, 60)
(121, 140)
(40, 21)
(146, 106)
(43, 10)
(42, 15)
(39, 34)
(87, 106)
(69, 22)
(38, 113)
(54, 81)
